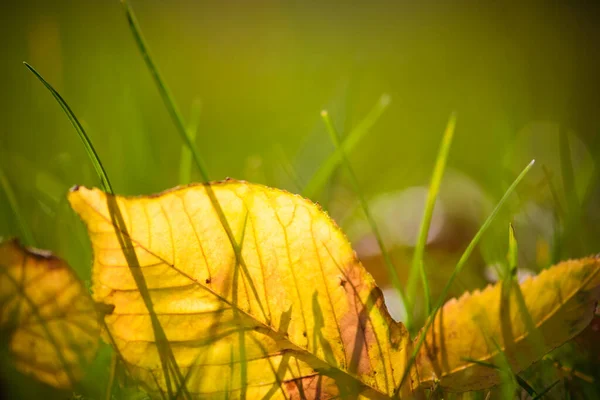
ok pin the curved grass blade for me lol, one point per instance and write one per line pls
(459, 266)
(89, 148)
(165, 352)
(417, 266)
(391, 269)
(319, 179)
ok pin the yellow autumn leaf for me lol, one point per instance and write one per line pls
(46, 315)
(560, 301)
(292, 314)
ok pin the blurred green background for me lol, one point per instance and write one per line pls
(523, 79)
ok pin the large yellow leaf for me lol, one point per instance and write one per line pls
(46, 314)
(294, 314)
(560, 302)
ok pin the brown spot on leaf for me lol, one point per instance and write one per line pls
(312, 387)
(105, 309)
(356, 328)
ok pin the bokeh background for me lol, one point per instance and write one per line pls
(523, 79)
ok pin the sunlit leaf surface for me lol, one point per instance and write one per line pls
(560, 302)
(293, 314)
(47, 318)
(287, 311)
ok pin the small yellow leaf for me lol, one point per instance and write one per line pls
(293, 314)
(47, 315)
(560, 301)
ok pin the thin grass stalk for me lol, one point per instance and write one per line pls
(417, 266)
(164, 349)
(391, 269)
(326, 169)
(458, 268)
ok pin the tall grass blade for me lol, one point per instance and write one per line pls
(326, 169)
(510, 283)
(164, 91)
(87, 143)
(181, 128)
(27, 234)
(417, 267)
(185, 162)
(391, 269)
(169, 102)
(165, 352)
(459, 266)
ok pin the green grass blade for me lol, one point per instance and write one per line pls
(513, 251)
(169, 102)
(459, 266)
(164, 91)
(508, 386)
(417, 267)
(181, 128)
(180, 124)
(173, 110)
(185, 163)
(104, 181)
(326, 169)
(165, 352)
(534, 337)
(391, 269)
(27, 234)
